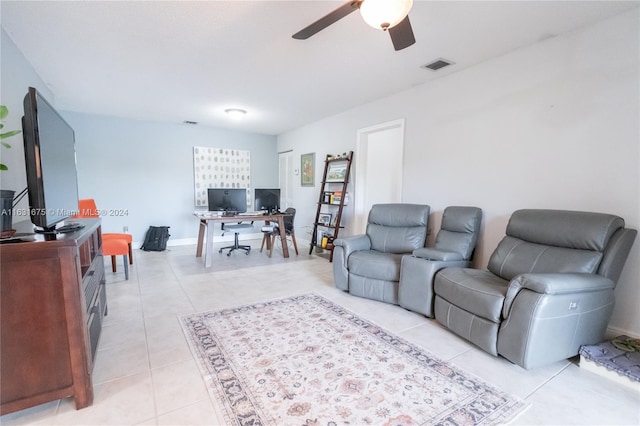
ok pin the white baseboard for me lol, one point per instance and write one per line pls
(616, 331)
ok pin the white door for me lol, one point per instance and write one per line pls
(285, 178)
(379, 155)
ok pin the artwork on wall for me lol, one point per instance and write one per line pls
(220, 168)
(308, 168)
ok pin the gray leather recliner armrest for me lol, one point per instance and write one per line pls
(555, 283)
(431, 253)
(353, 243)
(416, 281)
(342, 249)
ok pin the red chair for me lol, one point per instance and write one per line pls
(114, 247)
(87, 208)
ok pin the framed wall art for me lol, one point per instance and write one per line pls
(325, 219)
(337, 172)
(220, 168)
(307, 169)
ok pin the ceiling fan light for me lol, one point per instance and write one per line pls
(384, 14)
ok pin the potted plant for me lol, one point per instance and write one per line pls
(6, 196)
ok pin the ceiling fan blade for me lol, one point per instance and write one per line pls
(402, 34)
(326, 20)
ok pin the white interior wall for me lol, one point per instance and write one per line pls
(554, 125)
(146, 169)
(16, 76)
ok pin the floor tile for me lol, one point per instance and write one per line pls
(125, 401)
(178, 385)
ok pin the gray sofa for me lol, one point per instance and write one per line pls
(368, 265)
(454, 246)
(547, 291)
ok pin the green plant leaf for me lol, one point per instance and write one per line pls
(6, 145)
(3, 167)
(9, 134)
(4, 111)
(1, 125)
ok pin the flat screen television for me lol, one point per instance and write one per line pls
(227, 200)
(50, 159)
(267, 199)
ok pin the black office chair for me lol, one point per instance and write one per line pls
(236, 227)
(290, 214)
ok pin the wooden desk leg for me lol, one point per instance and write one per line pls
(203, 228)
(283, 237)
(208, 255)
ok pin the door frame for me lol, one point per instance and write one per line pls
(360, 215)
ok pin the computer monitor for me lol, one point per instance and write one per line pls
(267, 199)
(227, 200)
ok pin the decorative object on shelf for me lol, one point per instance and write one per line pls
(336, 172)
(326, 198)
(307, 167)
(220, 168)
(325, 219)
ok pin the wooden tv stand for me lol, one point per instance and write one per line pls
(52, 301)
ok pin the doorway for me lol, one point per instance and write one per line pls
(379, 157)
(285, 178)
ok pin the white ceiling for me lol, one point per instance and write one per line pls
(189, 60)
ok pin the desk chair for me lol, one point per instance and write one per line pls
(290, 214)
(236, 227)
(87, 208)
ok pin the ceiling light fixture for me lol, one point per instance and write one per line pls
(235, 113)
(384, 14)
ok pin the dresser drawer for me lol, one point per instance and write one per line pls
(92, 280)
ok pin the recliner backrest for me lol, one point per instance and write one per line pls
(459, 230)
(547, 241)
(397, 227)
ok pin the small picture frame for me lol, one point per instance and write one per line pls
(337, 173)
(307, 169)
(325, 219)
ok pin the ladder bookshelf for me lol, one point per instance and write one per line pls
(331, 201)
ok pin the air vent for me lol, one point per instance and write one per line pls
(438, 64)
(190, 122)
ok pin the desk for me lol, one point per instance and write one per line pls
(207, 218)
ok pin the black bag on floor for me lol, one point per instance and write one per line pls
(156, 238)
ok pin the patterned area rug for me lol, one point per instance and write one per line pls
(304, 360)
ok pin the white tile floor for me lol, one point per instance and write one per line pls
(145, 374)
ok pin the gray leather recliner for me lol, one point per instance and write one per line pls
(368, 265)
(455, 244)
(548, 288)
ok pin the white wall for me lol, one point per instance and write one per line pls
(16, 76)
(146, 169)
(554, 125)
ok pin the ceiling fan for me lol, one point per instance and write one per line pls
(391, 15)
